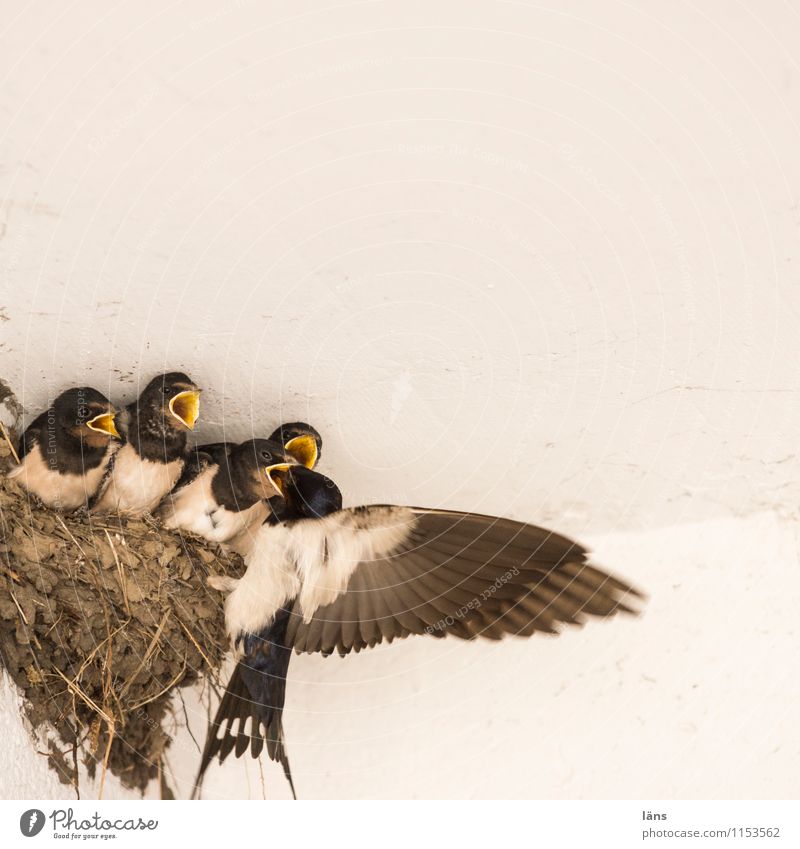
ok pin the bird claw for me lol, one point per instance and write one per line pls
(222, 583)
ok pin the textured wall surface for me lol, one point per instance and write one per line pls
(534, 262)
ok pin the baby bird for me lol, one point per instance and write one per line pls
(223, 490)
(150, 462)
(224, 494)
(294, 436)
(65, 452)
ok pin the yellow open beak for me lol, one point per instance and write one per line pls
(104, 423)
(304, 450)
(275, 474)
(185, 406)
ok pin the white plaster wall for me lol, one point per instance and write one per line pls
(536, 262)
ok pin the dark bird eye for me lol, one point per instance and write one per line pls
(166, 390)
(265, 455)
(82, 412)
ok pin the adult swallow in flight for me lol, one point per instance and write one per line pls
(257, 688)
(149, 463)
(329, 579)
(65, 451)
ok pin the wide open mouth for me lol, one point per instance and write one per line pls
(278, 475)
(304, 449)
(104, 423)
(185, 406)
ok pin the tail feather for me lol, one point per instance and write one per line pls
(255, 692)
(263, 671)
(235, 706)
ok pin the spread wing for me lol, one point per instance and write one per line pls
(386, 572)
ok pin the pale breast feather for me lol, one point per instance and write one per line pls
(236, 524)
(312, 560)
(270, 581)
(242, 542)
(61, 491)
(137, 485)
(194, 508)
(191, 506)
(327, 551)
(228, 524)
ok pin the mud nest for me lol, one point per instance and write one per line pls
(101, 620)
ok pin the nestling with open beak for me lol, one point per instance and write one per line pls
(304, 443)
(224, 489)
(294, 436)
(327, 579)
(65, 451)
(154, 453)
(228, 470)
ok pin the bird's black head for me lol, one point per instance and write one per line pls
(309, 495)
(86, 414)
(171, 398)
(302, 441)
(259, 468)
